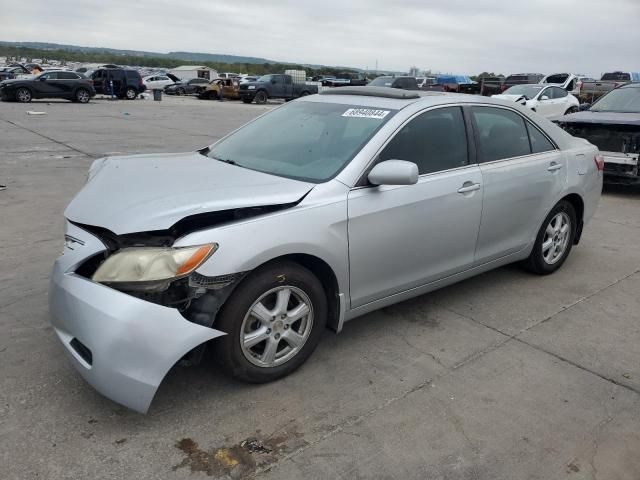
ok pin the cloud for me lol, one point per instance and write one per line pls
(460, 36)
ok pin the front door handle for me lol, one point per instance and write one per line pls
(469, 187)
(554, 166)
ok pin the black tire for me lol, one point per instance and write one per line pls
(304, 94)
(261, 97)
(82, 95)
(536, 262)
(571, 110)
(23, 95)
(130, 93)
(279, 274)
(247, 100)
(180, 91)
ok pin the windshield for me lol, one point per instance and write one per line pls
(616, 76)
(306, 141)
(528, 91)
(381, 82)
(623, 100)
(265, 78)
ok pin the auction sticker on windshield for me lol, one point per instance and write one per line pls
(366, 113)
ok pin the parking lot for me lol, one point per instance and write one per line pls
(505, 376)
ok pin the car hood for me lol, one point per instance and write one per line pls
(606, 118)
(513, 98)
(143, 193)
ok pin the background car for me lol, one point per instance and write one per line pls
(157, 82)
(521, 79)
(212, 91)
(401, 82)
(549, 101)
(188, 87)
(121, 82)
(612, 124)
(51, 84)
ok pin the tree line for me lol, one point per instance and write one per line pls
(65, 56)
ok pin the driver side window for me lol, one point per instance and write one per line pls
(435, 140)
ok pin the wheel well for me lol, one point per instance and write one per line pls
(327, 277)
(578, 205)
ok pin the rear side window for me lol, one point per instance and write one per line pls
(67, 76)
(500, 134)
(539, 143)
(435, 140)
(132, 74)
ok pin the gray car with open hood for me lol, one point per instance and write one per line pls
(317, 212)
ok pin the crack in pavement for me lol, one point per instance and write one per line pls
(515, 336)
(58, 142)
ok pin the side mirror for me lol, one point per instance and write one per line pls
(394, 172)
(42, 79)
(544, 97)
(585, 106)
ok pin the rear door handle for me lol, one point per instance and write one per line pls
(554, 166)
(469, 187)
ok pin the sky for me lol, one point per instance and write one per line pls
(453, 36)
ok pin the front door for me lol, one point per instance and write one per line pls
(522, 175)
(47, 86)
(402, 237)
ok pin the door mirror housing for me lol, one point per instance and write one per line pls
(394, 172)
(42, 79)
(585, 106)
(544, 97)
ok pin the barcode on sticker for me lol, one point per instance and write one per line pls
(366, 113)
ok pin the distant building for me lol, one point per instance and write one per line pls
(414, 72)
(187, 72)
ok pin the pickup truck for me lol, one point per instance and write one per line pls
(274, 86)
(346, 80)
(591, 91)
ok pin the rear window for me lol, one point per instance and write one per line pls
(617, 76)
(557, 78)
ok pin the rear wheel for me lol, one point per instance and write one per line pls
(130, 93)
(23, 95)
(274, 321)
(554, 241)
(261, 97)
(82, 95)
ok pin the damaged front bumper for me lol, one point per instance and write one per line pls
(621, 168)
(123, 346)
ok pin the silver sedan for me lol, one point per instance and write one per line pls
(318, 212)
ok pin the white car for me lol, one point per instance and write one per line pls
(157, 82)
(549, 101)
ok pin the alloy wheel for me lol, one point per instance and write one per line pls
(276, 327)
(556, 238)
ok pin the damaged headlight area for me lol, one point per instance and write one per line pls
(150, 268)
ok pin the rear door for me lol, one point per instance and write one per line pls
(523, 175)
(402, 237)
(67, 82)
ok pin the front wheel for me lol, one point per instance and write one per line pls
(554, 241)
(23, 95)
(261, 98)
(571, 110)
(274, 321)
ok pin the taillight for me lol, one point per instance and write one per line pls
(599, 159)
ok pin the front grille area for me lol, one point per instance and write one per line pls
(609, 138)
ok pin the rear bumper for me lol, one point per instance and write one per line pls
(121, 345)
(621, 168)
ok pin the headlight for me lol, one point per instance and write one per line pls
(151, 264)
(251, 87)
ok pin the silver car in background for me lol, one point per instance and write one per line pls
(313, 214)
